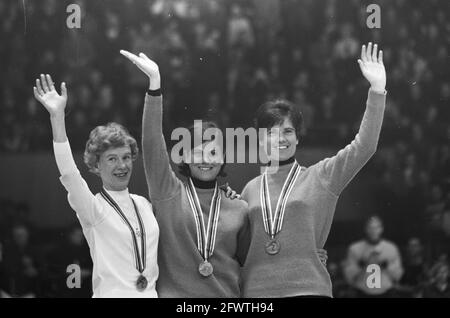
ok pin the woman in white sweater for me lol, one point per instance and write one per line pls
(119, 227)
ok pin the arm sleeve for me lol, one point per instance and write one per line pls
(80, 197)
(336, 172)
(161, 180)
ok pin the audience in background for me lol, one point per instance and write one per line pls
(222, 59)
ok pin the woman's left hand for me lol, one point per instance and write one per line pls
(230, 193)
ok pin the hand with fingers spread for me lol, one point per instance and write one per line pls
(46, 94)
(146, 65)
(372, 67)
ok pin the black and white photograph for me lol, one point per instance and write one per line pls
(225, 154)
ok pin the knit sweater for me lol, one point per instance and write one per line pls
(296, 269)
(110, 242)
(178, 255)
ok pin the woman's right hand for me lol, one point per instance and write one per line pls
(46, 94)
(146, 65)
(323, 255)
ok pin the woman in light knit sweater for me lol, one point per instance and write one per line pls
(291, 207)
(120, 227)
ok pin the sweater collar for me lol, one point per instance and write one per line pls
(282, 168)
(119, 195)
(200, 184)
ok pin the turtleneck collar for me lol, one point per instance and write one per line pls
(203, 184)
(122, 194)
(284, 162)
(280, 168)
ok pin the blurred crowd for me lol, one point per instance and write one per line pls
(41, 263)
(220, 60)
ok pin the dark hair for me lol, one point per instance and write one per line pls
(183, 168)
(274, 112)
(102, 138)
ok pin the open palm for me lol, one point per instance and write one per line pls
(47, 95)
(372, 67)
(146, 65)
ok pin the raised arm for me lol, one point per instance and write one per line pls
(80, 197)
(336, 172)
(161, 180)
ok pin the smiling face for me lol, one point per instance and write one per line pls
(206, 161)
(114, 167)
(281, 141)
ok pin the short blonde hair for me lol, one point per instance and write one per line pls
(102, 138)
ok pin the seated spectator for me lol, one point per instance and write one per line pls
(373, 249)
(438, 285)
(19, 269)
(73, 250)
(415, 268)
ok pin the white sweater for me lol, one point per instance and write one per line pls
(109, 239)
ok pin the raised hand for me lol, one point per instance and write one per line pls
(146, 65)
(46, 94)
(372, 67)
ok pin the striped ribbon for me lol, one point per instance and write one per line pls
(274, 222)
(140, 258)
(206, 237)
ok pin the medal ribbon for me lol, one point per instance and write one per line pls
(273, 223)
(206, 237)
(140, 258)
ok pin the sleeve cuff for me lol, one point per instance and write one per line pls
(376, 98)
(154, 92)
(377, 92)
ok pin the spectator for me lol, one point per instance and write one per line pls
(438, 286)
(415, 268)
(20, 276)
(373, 249)
(72, 251)
(240, 29)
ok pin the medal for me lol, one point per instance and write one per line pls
(206, 236)
(273, 247)
(205, 269)
(274, 222)
(140, 257)
(141, 283)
